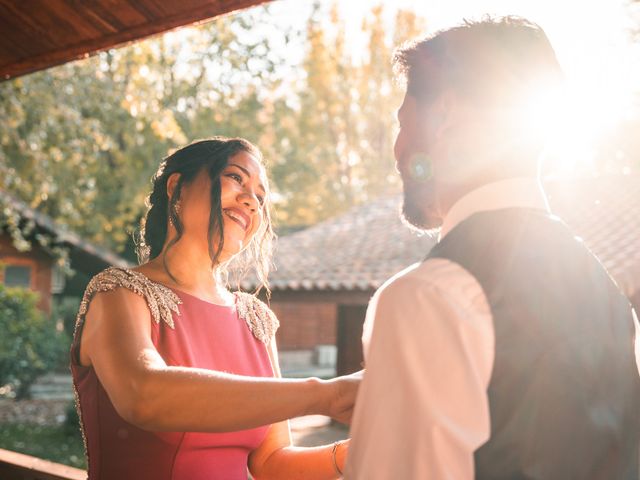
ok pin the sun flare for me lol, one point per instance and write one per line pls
(601, 62)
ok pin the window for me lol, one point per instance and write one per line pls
(17, 276)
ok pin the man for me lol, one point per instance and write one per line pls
(508, 353)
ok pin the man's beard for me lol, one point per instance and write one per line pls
(418, 210)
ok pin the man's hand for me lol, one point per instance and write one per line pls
(341, 397)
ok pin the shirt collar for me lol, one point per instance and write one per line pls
(512, 193)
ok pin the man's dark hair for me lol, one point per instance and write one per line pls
(496, 61)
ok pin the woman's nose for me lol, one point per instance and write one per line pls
(249, 199)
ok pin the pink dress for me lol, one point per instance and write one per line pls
(186, 331)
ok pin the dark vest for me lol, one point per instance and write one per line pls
(564, 394)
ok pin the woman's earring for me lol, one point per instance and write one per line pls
(176, 209)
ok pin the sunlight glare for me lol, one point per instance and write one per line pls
(600, 59)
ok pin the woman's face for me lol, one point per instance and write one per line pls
(243, 193)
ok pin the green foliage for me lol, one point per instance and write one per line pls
(29, 344)
(65, 310)
(55, 443)
(336, 149)
(80, 142)
(71, 425)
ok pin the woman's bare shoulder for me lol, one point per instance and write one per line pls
(129, 286)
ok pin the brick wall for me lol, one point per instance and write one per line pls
(40, 264)
(304, 325)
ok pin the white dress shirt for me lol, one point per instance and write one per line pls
(422, 409)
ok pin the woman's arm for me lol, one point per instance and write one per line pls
(116, 340)
(276, 458)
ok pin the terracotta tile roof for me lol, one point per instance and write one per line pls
(605, 213)
(60, 235)
(362, 248)
(358, 250)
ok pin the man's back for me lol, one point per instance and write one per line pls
(564, 395)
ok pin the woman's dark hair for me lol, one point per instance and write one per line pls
(211, 155)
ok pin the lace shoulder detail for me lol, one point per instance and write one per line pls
(161, 300)
(262, 322)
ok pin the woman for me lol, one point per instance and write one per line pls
(176, 377)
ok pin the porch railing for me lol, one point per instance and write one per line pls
(17, 466)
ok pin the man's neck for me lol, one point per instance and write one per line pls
(523, 192)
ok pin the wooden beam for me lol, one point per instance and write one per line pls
(17, 466)
(83, 49)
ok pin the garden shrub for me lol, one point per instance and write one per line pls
(29, 343)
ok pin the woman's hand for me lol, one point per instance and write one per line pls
(341, 396)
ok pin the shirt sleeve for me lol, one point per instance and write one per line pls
(422, 409)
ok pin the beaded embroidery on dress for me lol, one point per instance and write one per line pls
(261, 320)
(162, 301)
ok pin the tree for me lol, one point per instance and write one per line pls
(339, 150)
(80, 142)
(312, 172)
(29, 345)
(379, 98)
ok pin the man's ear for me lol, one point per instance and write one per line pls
(445, 110)
(172, 181)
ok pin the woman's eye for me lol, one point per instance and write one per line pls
(235, 176)
(260, 200)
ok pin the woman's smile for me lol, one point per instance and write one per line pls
(238, 216)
